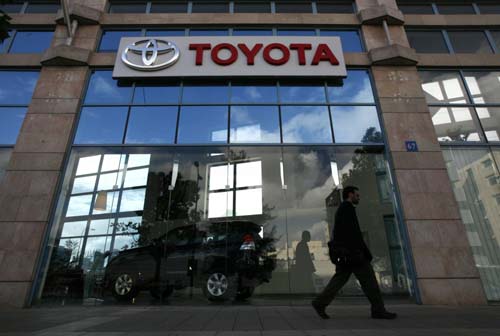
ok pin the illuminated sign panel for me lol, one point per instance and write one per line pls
(149, 57)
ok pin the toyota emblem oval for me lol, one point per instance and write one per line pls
(152, 52)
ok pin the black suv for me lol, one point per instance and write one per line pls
(226, 259)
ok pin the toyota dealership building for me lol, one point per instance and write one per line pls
(188, 152)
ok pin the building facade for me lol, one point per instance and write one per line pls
(224, 186)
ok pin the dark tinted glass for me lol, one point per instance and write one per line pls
(489, 8)
(253, 124)
(200, 94)
(296, 93)
(152, 124)
(496, 38)
(127, 8)
(332, 7)
(356, 88)
(252, 32)
(110, 40)
(427, 41)
(174, 7)
(161, 94)
(351, 41)
(354, 124)
(210, 7)
(293, 7)
(306, 124)
(203, 124)
(296, 32)
(455, 9)
(11, 119)
(254, 93)
(16, 87)
(42, 8)
(31, 41)
(416, 9)
(103, 89)
(208, 32)
(12, 8)
(469, 42)
(176, 32)
(252, 7)
(101, 125)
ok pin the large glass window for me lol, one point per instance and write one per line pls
(127, 7)
(334, 7)
(24, 41)
(210, 7)
(16, 89)
(260, 111)
(464, 104)
(293, 7)
(427, 41)
(455, 9)
(489, 8)
(475, 179)
(260, 215)
(416, 9)
(351, 40)
(252, 7)
(169, 7)
(110, 39)
(469, 42)
(43, 7)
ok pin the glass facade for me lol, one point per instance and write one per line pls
(453, 41)
(350, 38)
(209, 206)
(26, 41)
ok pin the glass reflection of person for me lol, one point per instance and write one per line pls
(304, 266)
(347, 234)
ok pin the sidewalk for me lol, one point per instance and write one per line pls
(348, 320)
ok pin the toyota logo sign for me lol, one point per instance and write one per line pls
(155, 54)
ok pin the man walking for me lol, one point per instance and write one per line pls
(347, 233)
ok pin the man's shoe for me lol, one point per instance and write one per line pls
(385, 315)
(320, 310)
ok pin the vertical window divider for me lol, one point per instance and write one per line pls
(314, 7)
(190, 7)
(475, 117)
(24, 7)
(329, 107)
(447, 41)
(9, 43)
(273, 7)
(231, 7)
(491, 41)
(148, 7)
(435, 9)
(476, 8)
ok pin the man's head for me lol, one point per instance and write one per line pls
(351, 194)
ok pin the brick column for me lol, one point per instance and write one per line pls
(28, 189)
(445, 268)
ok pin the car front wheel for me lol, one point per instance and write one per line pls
(124, 287)
(219, 286)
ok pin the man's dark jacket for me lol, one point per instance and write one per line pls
(346, 231)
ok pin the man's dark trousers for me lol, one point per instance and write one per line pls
(366, 277)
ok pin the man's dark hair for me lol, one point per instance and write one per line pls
(347, 190)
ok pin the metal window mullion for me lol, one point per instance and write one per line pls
(447, 41)
(231, 7)
(314, 7)
(273, 7)
(24, 7)
(491, 41)
(190, 7)
(9, 44)
(476, 8)
(475, 117)
(435, 9)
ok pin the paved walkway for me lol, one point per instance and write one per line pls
(348, 320)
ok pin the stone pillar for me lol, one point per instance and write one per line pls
(28, 189)
(445, 268)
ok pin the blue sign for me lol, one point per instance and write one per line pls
(411, 146)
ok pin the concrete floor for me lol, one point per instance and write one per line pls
(291, 320)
